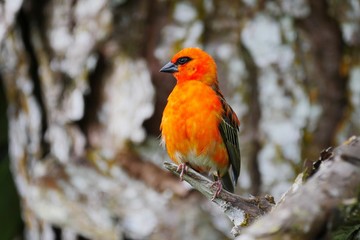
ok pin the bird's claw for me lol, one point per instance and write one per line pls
(182, 168)
(218, 189)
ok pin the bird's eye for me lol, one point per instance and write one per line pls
(183, 60)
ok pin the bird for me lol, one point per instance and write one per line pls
(198, 127)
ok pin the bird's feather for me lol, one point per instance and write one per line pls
(229, 129)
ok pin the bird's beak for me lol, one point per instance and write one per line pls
(169, 68)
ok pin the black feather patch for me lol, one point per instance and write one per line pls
(182, 60)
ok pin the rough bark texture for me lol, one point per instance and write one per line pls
(312, 210)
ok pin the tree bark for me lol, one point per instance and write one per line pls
(309, 211)
(312, 211)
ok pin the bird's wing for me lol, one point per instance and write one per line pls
(229, 129)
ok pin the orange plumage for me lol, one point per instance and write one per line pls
(198, 127)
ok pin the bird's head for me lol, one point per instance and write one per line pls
(192, 64)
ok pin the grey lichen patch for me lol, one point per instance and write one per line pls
(128, 102)
(237, 216)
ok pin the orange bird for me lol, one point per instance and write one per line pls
(199, 129)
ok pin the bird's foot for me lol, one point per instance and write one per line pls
(218, 186)
(182, 168)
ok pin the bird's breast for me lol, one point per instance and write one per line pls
(190, 125)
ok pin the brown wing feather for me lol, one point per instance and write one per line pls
(229, 129)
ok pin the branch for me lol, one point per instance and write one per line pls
(305, 210)
(241, 211)
(308, 211)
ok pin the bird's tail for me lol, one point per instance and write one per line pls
(227, 182)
